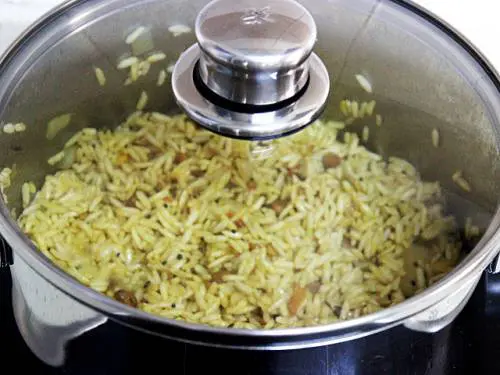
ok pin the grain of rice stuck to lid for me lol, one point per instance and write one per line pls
(364, 83)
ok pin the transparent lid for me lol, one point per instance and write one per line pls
(371, 204)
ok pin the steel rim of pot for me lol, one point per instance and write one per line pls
(474, 263)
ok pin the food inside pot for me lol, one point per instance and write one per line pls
(303, 230)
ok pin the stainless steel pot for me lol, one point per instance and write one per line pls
(424, 75)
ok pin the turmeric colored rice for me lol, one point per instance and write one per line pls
(304, 230)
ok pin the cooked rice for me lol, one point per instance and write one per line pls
(132, 37)
(182, 223)
(9, 128)
(177, 30)
(56, 158)
(27, 190)
(20, 127)
(362, 109)
(364, 83)
(471, 230)
(155, 57)
(460, 181)
(435, 138)
(127, 62)
(58, 123)
(162, 76)
(134, 71)
(99, 74)
(5, 181)
(143, 68)
(370, 107)
(143, 101)
(365, 135)
(355, 110)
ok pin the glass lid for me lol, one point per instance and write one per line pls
(379, 198)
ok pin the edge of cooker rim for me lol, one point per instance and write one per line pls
(476, 262)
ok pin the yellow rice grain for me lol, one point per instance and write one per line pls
(460, 181)
(366, 134)
(132, 37)
(204, 229)
(162, 76)
(101, 78)
(155, 57)
(25, 191)
(179, 29)
(20, 127)
(56, 158)
(370, 107)
(143, 100)
(127, 62)
(9, 128)
(435, 138)
(364, 83)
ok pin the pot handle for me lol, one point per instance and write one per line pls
(494, 266)
(46, 317)
(443, 313)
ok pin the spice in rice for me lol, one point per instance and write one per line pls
(176, 221)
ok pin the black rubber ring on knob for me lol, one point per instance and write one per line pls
(241, 107)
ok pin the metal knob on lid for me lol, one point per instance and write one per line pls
(252, 74)
(256, 55)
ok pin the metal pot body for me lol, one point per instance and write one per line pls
(51, 321)
(50, 72)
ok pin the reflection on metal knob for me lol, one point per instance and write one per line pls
(253, 73)
(255, 52)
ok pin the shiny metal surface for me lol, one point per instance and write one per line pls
(235, 124)
(354, 37)
(47, 318)
(251, 55)
(256, 35)
(255, 52)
